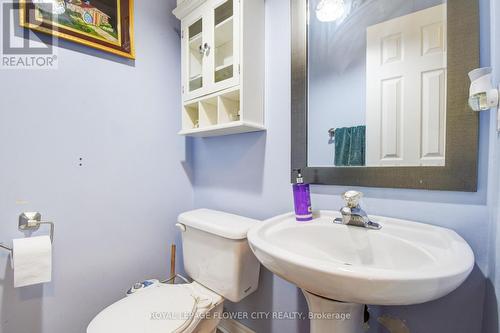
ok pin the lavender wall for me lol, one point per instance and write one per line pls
(249, 175)
(115, 214)
(491, 320)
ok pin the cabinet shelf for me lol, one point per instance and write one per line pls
(221, 67)
(221, 24)
(223, 72)
(234, 127)
(195, 38)
(195, 82)
(224, 32)
(196, 77)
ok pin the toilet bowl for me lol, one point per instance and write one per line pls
(162, 308)
(219, 260)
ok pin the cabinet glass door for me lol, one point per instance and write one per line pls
(225, 41)
(195, 55)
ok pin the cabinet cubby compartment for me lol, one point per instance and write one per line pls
(208, 112)
(218, 114)
(191, 116)
(212, 111)
(229, 107)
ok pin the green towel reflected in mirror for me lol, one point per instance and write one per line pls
(350, 145)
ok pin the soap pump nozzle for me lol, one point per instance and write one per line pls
(300, 179)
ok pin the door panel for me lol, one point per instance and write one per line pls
(406, 90)
(224, 60)
(433, 116)
(194, 34)
(391, 118)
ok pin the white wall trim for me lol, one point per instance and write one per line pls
(233, 326)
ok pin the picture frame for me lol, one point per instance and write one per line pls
(107, 25)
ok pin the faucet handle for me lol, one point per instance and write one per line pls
(352, 198)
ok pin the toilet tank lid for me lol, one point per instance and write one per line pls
(222, 224)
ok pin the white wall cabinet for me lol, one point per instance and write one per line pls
(222, 66)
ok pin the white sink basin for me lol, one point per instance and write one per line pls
(402, 263)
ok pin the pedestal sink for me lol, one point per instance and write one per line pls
(340, 268)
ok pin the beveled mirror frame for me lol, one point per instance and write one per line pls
(460, 170)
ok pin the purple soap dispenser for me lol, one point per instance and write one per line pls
(302, 199)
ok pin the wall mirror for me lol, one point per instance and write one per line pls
(379, 92)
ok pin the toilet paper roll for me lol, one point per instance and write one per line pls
(32, 261)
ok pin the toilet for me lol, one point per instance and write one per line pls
(217, 258)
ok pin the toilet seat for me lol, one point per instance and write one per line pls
(162, 308)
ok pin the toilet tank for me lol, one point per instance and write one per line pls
(216, 252)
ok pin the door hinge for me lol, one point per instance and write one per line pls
(182, 34)
(239, 69)
(183, 89)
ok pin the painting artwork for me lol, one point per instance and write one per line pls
(103, 24)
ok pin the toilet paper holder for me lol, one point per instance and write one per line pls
(31, 221)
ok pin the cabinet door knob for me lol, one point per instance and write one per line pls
(206, 49)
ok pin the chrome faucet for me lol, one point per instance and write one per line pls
(352, 214)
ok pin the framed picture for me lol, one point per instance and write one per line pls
(107, 25)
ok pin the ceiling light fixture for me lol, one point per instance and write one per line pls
(330, 10)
